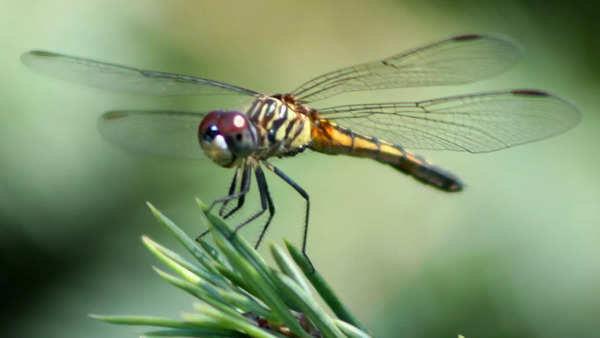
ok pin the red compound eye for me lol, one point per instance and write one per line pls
(233, 123)
(225, 136)
(224, 123)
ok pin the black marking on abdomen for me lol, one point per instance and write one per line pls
(345, 131)
(419, 168)
(404, 161)
(437, 177)
(399, 148)
(378, 143)
(349, 133)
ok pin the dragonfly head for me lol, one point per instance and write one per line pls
(226, 136)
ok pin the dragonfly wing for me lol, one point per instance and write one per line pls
(474, 123)
(167, 133)
(122, 78)
(458, 60)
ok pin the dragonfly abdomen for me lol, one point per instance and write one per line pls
(331, 138)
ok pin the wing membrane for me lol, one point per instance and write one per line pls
(122, 78)
(474, 123)
(166, 133)
(458, 60)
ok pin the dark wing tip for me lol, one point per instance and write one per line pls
(467, 37)
(113, 115)
(45, 53)
(570, 109)
(529, 92)
(28, 57)
(498, 38)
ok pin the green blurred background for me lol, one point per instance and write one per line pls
(514, 255)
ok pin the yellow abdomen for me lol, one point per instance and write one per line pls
(330, 138)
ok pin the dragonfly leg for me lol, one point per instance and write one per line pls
(231, 191)
(241, 199)
(265, 202)
(303, 193)
(244, 188)
(262, 186)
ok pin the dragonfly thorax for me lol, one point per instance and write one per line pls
(226, 136)
(283, 125)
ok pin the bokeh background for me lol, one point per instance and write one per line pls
(514, 255)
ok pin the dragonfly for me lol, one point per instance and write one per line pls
(286, 124)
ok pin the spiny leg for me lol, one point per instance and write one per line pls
(241, 199)
(244, 188)
(303, 193)
(232, 187)
(262, 185)
(263, 200)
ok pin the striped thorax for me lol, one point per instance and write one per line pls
(282, 124)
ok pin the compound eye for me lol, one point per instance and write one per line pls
(211, 133)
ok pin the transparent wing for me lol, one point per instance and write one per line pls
(122, 78)
(474, 123)
(458, 60)
(166, 133)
